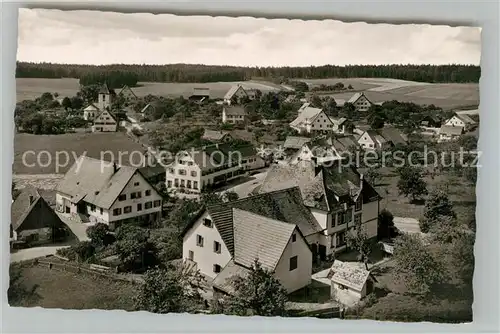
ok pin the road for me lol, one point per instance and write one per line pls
(244, 189)
(34, 252)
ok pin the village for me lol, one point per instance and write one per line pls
(275, 183)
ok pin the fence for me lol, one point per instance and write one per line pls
(92, 269)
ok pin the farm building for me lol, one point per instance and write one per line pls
(350, 282)
(101, 192)
(360, 101)
(33, 221)
(235, 93)
(105, 122)
(200, 94)
(450, 132)
(237, 233)
(311, 119)
(461, 120)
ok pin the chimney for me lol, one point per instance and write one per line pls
(32, 199)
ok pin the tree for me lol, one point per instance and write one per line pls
(411, 182)
(98, 234)
(134, 248)
(374, 176)
(348, 110)
(437, 208)
(385, 227)
(316, 101)
(211, 198)
(259, 293)
(416, 266)
(66, 103)
(377, 123)
(76, 103)
(168, 290)
(350, 87)
(17, 293)
(357, 239)
(230, 196)
(462, 250)
(90, 93)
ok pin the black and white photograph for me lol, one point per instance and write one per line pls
(244, 166)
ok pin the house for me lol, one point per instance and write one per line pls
(102, 192)
(461, 120)
(269, 228)
(350, 282)
(235, 93)
(216, 136)
(33, 221)
(105, 98)
(127, 93)
(382, 138)
(105, 122)
(360, 101)
(90, 112)
(337, 196)
(195, 169)
(450, 132)
(234, 114)
(319, 150)
(200, 94)
(311, 119)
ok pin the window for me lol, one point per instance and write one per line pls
(127, 209)
(293, 263)
(190, 163)
(332, 241)
(117, 212)
(101, 210)
(193, 173)
(171, 171)
(349, 215)
(139, 194)
(191, 255)
(169, 183)
(199, 240)
(340, 239)
(136, 184)
(148, 192)
(176, 182)
(157, 203)
(341, 218)
(294, 237)
(357, 219)
(183, 183)
(217, 268)
(148, 205)
(207, 222)
(182, 172)
(92, 207)
(122, 197)
(189, 184)
(133, 195)
(359, 204)
(217, 247)
(195, 184)
(139, 207)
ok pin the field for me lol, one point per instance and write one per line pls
(30, 88)
(447, 96)
(75, 144)
(58, 289)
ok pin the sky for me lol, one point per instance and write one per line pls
(93, 37)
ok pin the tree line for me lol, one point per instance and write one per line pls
(211, 73)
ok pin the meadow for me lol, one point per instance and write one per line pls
(447, 96)
(75, 144)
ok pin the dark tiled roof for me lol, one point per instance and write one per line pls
(152, 171)
(235, 111)
(393, 135)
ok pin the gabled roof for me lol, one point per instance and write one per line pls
(214, 135)
(295, 142)
(224, 280)
(451, 130)
(235, 111)
(91, 107)
(230, 93)
(284, 205)
(356, 97)
(345, 143)
(259, 238)
(127, 89)
(465, 118)
(212, 156)
(21, 207)
(350, 274)
(306, 114)
(95, 181)
(105, 89)
(393, 135)
(110, 114)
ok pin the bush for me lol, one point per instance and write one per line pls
(81, 252)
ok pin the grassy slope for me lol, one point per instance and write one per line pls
(65, 290)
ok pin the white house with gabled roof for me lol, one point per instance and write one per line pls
(311, 119)
(360, 101)
(105, 122)
(97, 191)
(90, 112)
(461, 120)
(235, 92)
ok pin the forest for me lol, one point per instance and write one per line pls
(131, 74)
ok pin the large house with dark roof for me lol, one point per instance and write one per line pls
(33, 221)
(97, 191)
(195, 169)
(311, 119)
(224, 240)
(360, 102)
(338, 197)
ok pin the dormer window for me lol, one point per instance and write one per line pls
(359, 204)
